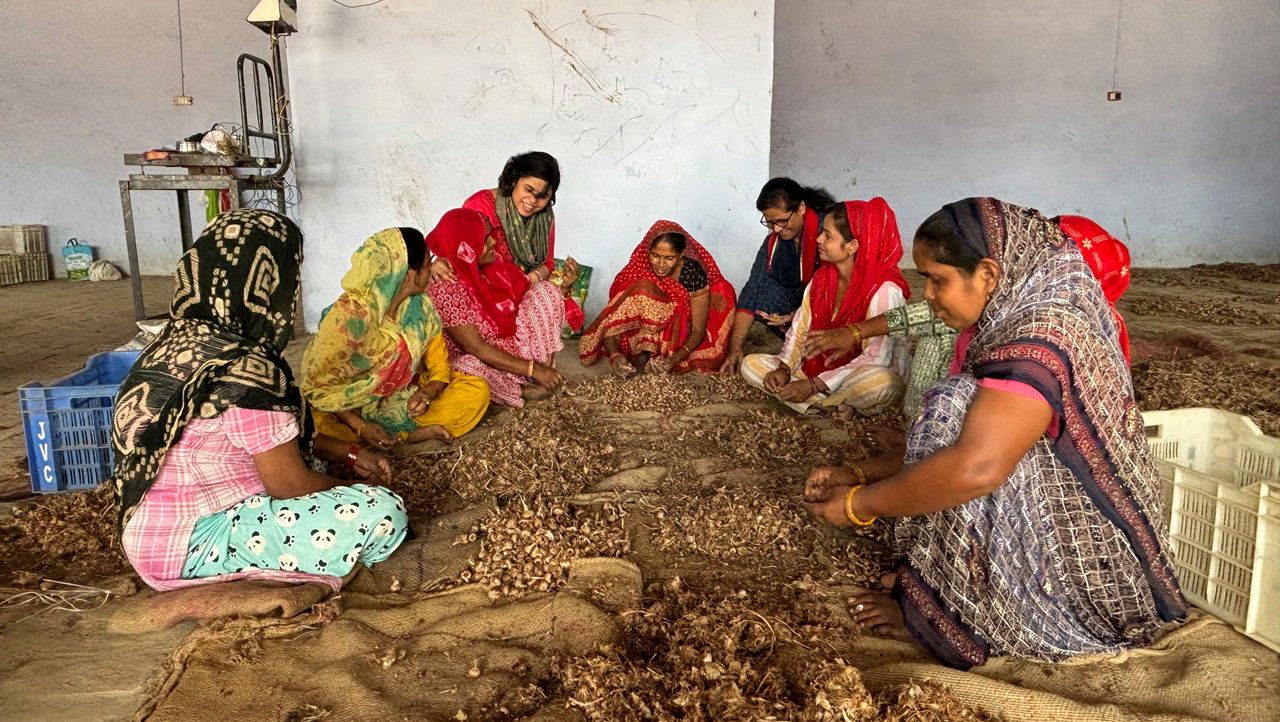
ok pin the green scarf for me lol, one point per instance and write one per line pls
(526, 237)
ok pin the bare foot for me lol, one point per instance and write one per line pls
(621, 367)
(878, 612)
(429, 433)
(535, 392)
(844, 412)
(641, 360)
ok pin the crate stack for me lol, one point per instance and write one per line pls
(24, 254)
(1222, 492)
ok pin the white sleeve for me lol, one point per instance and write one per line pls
(790, 353)
(877, 351)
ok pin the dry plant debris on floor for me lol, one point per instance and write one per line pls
(528, 546)
(697, 654)
(1215, 275)
(649, 392)
(751, 642)
(1237, 386)
(559, 447)
(1235, 311)
(69, 537)
(730, 524)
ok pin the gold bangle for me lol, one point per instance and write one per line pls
(848, 508)
(857, 335)
(862, 475)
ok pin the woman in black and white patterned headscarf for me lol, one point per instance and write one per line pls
(213, 446)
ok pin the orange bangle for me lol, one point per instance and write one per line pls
(848, 508)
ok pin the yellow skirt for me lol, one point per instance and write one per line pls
(458, 408)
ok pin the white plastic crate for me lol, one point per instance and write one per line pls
(1222, 483)
(24, 239)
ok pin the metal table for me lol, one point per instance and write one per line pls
(205, 171)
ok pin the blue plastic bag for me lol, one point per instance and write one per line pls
(77, 257)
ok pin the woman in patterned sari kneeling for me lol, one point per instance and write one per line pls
(1029, 510)
(499, 325)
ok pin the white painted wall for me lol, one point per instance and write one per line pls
(654, 110)
(84, 82)
(925, 102)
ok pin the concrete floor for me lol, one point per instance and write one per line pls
(47, 331)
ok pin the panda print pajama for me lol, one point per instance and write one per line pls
(328, 532)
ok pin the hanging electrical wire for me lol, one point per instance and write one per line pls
(1115, 68)
(353, 7)
(182, 55)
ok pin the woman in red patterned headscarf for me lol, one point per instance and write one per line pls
(1108, 258)
(498, 324)
(859, 277)
(669, 309)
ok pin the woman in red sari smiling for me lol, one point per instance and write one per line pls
(859, 278)
(669, 309)
(498, 325)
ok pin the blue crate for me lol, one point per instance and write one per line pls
(68, 424)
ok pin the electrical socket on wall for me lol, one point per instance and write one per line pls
(183, 100)
(1111, 95)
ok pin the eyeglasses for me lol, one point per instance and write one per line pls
(777, 225)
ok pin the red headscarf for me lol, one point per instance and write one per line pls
(638, 267)
(875, 227)
(808, 244)
(1108, 258)
(498, 286)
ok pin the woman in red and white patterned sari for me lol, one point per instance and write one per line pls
(498, 324)
(669, 309)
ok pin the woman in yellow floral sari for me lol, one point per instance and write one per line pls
(377, 371)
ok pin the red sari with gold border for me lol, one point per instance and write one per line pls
(652, 314)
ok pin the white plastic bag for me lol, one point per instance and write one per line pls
(104, 271)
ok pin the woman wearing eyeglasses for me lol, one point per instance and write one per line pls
(785, 263)
(860, 249)
(520, 213)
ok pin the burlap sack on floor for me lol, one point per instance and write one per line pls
(240, 598)
(426, 562)
(1203, 671)
(447, 653)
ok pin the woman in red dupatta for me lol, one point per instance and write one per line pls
(1108, 258)
(859, 277)
(498, 325)
(669, 309)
